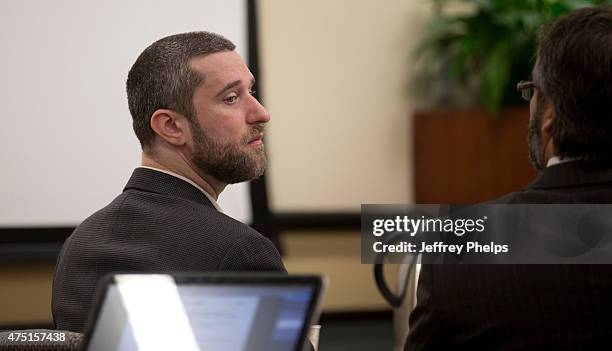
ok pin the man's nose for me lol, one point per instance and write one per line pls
(258, 113)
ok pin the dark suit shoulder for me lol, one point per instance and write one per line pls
(142, 231)
(161, 231)
(587, 194)
(566, 183)
(187, 235)
(252, 252)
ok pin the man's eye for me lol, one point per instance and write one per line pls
(231, 99)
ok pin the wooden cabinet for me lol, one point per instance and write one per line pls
(467, 156)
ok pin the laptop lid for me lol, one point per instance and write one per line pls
(220, 312)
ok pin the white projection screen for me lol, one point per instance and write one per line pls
(66, 137)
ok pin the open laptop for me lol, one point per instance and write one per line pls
(203, 312)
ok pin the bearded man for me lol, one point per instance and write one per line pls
(200, 127)
(545, 306)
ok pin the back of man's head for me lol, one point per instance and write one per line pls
(162, 79)
(574, 73)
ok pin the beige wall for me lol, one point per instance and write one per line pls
(25, 294)
(335, 79)
(337, 256)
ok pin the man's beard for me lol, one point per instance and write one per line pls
(534, 136)
(228, 162)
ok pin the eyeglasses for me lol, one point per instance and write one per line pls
(526, 88)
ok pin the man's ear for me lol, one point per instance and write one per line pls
(170, 126)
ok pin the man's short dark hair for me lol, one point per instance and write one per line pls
(574, 73)
(161, 78)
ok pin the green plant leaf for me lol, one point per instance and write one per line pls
(496, 42)
(495, 75)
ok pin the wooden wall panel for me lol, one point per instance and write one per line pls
(467, 156)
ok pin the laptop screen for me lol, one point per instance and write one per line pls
(145, 312)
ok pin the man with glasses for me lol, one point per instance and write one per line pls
(547, 307)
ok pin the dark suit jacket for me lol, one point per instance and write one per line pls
(521, 307)
(159, 223)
